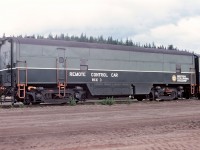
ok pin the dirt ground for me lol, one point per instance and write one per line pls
(138, 126)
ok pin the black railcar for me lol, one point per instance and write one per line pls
(34, 70)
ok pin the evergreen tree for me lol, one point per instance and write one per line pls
(81, 39)
(121, 42)
(110, 40)
(62, 36)
(127, 41)
(170, 47)
(67, 38)
(153, 45)
(38, 37)
(33, 36)
(56, 37)
(99, 39)
(72, 37)
(130, 42)
(50, 36)
(91, 39)
(20, 36)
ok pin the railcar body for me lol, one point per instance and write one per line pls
(38, 70)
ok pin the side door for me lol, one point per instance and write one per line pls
(61, 65)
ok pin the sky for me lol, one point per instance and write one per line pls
(163, 22)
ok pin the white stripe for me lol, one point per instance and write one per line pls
(5, 69)
(39, 68)
(130, 70)
(188, 72)
(96, 70)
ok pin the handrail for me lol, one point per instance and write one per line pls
(61, 84)
(22, 86)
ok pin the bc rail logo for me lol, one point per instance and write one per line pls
(174, 78)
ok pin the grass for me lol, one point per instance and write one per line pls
(129, 101)
(21, 105)
(108, 101)
(72, 101)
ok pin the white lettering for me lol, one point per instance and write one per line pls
(95, 80)
(103, 75)
(77, 74)
(182, 78)
(114, 75)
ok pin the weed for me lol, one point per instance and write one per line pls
(108, 101)
(129, 101)
(21, 106)
(72, 101)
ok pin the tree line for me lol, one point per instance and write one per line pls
(99, 39)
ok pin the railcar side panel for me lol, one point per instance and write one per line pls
(99, 70)
(131, 68)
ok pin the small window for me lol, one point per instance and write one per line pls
(178, 68)
(83, 67)
(61, 60)
(83, 64)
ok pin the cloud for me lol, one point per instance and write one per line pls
(117, 18)
(28, 15)
(184, 34)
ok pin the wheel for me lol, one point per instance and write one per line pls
(174, 95)
(187, 95)
(28, 100)
(139, 97)
(151, 96)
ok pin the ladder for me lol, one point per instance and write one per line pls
(192, 87)
(21, 92)
(61, 80)
(61, 89)
(192, 81)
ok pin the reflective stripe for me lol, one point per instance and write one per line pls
(97, 70)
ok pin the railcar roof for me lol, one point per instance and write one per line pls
(62, 43)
